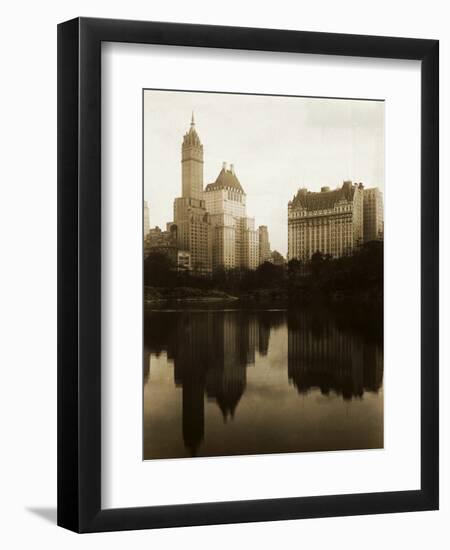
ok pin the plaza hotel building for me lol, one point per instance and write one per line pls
(333, 222)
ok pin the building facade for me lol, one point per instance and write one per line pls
(235, 242)
(165, 242)
(264, 244)
(189, 212)
(158, 239)
(373, 215)
(330, 222)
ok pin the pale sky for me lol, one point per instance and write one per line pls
(277, 145)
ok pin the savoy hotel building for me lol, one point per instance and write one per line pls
(235, 240)
(210, 227)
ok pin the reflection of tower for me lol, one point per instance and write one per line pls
(190, 216)
(253, 338)
(322, 356)
(146, 363)
(264, 334)
(210, 351)
(191, 363)
(227, 376)
(193, 412)
(373, 366)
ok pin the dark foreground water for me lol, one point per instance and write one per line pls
(232, 382)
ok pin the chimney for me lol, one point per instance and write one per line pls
(232, 168)
(224, 165)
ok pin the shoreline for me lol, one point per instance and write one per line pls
(266, 299)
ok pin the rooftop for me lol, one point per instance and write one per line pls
(191, 139)
(226, 179)
(324, 199)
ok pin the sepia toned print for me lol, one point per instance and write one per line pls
(263, 274)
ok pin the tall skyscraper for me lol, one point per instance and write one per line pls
(190, 215)
(330, 222)
(373, 214)
(235, 240)
(192, 164)
(264, 244)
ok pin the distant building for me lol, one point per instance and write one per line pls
(146, 219)
(158, 240)
(264, 244)
(235, 240)
(165, 242)
(189, 212)
(157, 237)
(373, 214)
(330, 222)
(184, 260)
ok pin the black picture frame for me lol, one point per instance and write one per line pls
(79, 274)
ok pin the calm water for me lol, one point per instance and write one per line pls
(234, 382)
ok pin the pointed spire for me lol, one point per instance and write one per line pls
(192, 120)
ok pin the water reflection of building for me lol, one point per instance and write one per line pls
(191, 358)
(226, 380)
(210, 352)
(321, 355)
(146, 363)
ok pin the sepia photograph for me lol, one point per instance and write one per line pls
(263, 235)
(236, 340)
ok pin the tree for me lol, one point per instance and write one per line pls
(318, 261)
(294, 265)
(159, 270)
(277, 258)
(219, 277)
(269, 275)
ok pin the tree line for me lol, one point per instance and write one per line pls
(360, 273)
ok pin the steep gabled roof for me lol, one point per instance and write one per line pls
(191, 139)
(325, 199)
(225, 180)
